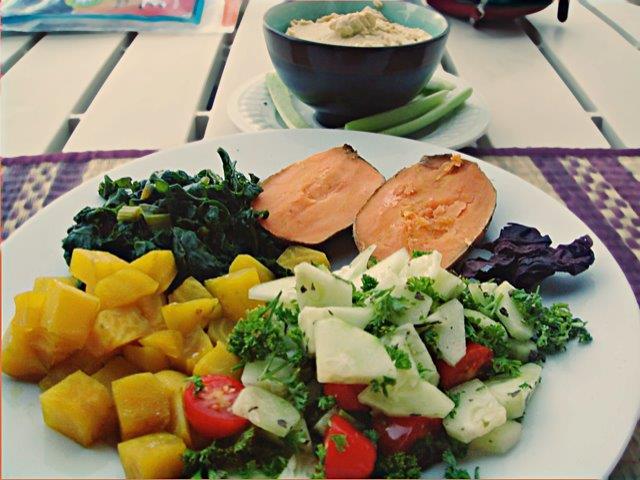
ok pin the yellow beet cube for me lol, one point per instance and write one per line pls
(196, 345)
(159, 265)
(40, 284)
(142, 403)
(91, 266)
(168, 342)
(115, 369)
(297, 254)
(79, 407)
(80, 360)
(175, 383)
(69, 313)
(19, 359)
(190, 289)
(158, 455)
(187, 316)
(151, 309)
(50, 347)
(123, 287)
(233, 292)
(147, 359)
(28, 314)
(247, 261)
(173, 380)
(219, 330)
(220, 361)
(115, 327)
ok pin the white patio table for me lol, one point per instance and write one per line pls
(546, 83)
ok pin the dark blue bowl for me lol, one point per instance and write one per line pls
(343, 83)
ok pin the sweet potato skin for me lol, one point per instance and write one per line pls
(315, 198)
(442, 203)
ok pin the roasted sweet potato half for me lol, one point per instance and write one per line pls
(442, 203)
(315, 198)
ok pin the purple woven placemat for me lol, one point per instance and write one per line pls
(602, 187)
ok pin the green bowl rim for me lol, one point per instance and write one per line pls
(444, 33)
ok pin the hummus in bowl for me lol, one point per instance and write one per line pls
(365, 28)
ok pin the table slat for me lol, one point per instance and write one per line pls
(530, 105)
(44, 87)
(151, 97)
(601, 62)
(12, 46)
(623, 16)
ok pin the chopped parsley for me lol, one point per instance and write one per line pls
(420, 253)
(424, 285)
(452, 470)
(198, 384)
(400, 358)
(455, 398)
(509, 367)
(326, 402)
(340, 441)
(385, 308)
(398, 465)
(368, 283)
(381, 385)
(321, 453)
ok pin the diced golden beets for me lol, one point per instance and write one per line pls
(190, 289)
(40, 284)
(186, 317)
(247, 261)
(116, 327)
(69, 313)
(90, 266)
(28, 311)
(80, 360)
(298, 254)
(147, 359)
(79, 407)
(142, 404)
(169, 342)
(50, 347)
(124, 287)
(19, 359)
(158, 455)
(175, 382)
(218, 361)
(196, 345)
(159, 265)
(219, 330)
(151, 309)
(115, 369)
(232, 290)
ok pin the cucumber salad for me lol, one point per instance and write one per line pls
(376, 370)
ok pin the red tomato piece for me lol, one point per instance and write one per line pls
(350, 454)
(346, 395)
(468, 367)
(398, 434)
(209, 410)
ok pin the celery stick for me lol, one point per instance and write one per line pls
(416, 107)
(430, 117)
(437, 85)
(281, 98)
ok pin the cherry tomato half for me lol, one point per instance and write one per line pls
(398, 434)
(475, 359)
(346, 395)
(209, 410)
(350, 454)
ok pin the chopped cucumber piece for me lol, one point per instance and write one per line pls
(322, 424)
(417, 310)
(356, 316)
(318, 288)
(489, 288)
(481, 321)
(449, 326)
(300, 465)
(477, 413)
(357, 266)
(381, 271)
(409, 396)
(265, 292)
(266, 410)
(406, 337)
(297, 254)
(446, 284)
(499, 440)
(416, 107)
(476, 293)
(347, 354)
(254, 374)
(281, 97)
(513, 393)
(424, 265)
(509, 314)
(521, 350)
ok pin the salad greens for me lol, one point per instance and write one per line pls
(205, 219)
(417, 316)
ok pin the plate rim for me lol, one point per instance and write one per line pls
(13, 238)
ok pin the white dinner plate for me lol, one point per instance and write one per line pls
(578, 421)
(251, 110)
